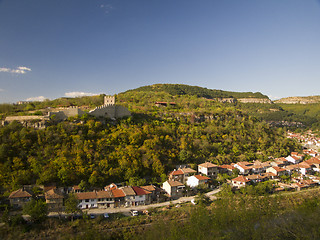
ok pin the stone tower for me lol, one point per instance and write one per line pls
(109, 100)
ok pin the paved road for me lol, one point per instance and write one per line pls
(143, 207)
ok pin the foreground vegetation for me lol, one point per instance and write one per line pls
(233, 216)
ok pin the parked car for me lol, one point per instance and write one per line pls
(134, 212)
(106, 215)
(92, 216)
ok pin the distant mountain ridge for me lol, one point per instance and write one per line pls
(181, 89)
(299, 100)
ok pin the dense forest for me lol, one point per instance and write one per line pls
(140, 149)
(180, 89)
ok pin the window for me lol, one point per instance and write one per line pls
(87, 200)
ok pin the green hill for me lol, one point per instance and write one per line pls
(181, 89)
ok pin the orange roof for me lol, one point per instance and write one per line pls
(140, 191)
(313, 160)
(20, 193)
(149, 188)
(176, 172)
(175, 183)
(117, 193)
(104, 194)
(304, 165)
(241, 179)
(278, 169)
(86, 195)
(53, 194)
(200, 177)
(227, 166)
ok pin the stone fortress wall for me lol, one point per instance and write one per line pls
(110, 109)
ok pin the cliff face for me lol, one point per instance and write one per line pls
(254, 100)
(299, 100)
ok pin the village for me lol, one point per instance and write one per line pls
(294, 172)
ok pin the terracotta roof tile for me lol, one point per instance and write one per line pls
(140, 191)
(207, 165)
(241, 179)
(53, 194)
(175, 183)
(20, 193)
(200, 177)
(117, 193)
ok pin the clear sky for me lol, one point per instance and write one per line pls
(56, 48)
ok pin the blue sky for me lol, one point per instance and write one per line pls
(56, 48)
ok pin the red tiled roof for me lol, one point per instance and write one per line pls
(176, 172)
(313, 160)
(278, 169)
(227, 166)
(140, 191)
(304, 165)
(175, 183)
(241, 179)
(53, 194)
(86, 195)
(149, 188)
(200, 177)
(117, 193)
(104, 194)
(20, 193)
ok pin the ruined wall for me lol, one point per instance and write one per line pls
(63, 114)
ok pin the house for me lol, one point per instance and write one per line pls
(277, 170)
(54, 199)
(240, 181)
(173, 188)
(198, 180)
(293, 159)
(292, 168)
(129, 196)
(153, 190)
(87, 200)
(20, 197)
(244, 167)
(142, 196)
(187, 172)
(104, 199)
(176, 175)
(228, 169)
(314, 163)
(209, 169)
(256, 178)
(304, 167)
(118, 196)
(279, 162)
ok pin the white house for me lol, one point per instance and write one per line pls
(209, 169)
(240, 181)
(197, 180)
(173, 188)
(243, 167)
(142, 196)
(293, 159)
(87, 200)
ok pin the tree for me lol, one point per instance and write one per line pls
(37, 209)
(71, 204)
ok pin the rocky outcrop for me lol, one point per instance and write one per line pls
(254, 100)
(299, 100)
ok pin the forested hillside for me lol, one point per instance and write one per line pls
(181, 89)
(139, 149)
